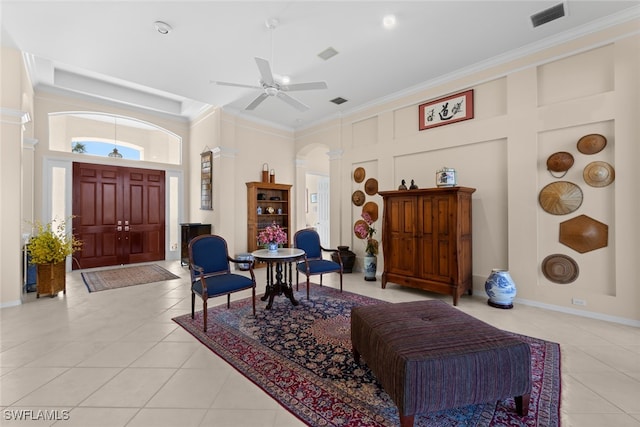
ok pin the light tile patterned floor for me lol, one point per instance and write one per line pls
(115, 358)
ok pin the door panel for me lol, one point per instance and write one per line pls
(402, 244)
(144, 214)
(119, 214)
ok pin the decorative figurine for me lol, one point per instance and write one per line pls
(403, 186)
(413, 186)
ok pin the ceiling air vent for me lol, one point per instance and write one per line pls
(548, 15)
(338, 100)
(328, 53)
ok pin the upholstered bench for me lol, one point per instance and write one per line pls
(429, 356)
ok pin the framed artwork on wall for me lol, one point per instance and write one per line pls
(444, 111)
(206, 180)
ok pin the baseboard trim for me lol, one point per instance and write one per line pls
(10, 304)
(589, 314)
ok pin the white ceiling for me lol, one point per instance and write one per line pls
(112, 50)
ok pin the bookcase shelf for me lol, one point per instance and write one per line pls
(260, 197)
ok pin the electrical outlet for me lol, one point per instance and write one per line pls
(578, 301)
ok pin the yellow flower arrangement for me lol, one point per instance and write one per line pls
(51, 246)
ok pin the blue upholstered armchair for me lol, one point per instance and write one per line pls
(309, 241)
(210, 273)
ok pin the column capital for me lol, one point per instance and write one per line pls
(335, 154)
(221, 151)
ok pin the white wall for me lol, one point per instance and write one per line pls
(15, 103)
(524, 111)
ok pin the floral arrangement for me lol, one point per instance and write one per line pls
(272, 234)
(366, 231)
(48, 246)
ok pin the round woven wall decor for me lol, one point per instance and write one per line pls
(560, 198)
(598, 174)
(592, 143)
(358, 175)
(358, 198)
(560, 268)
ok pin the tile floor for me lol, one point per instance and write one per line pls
(115, 358)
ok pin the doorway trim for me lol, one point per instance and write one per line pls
(50, 193)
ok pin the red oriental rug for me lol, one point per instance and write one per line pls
(301, 356)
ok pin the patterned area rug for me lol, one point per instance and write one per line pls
(127, 276)
(301, 356)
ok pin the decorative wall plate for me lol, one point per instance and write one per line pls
(371, 186)
(592, 143)
(598, 174)
(560, 198)
(358, 198)
(560, 268)
(358, 174)
(372, 209)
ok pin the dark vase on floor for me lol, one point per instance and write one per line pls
(348, 258)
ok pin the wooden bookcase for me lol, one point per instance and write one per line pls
(271, 198)
(426, 238)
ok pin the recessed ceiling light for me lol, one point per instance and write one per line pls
(162, 27)
(389, 21)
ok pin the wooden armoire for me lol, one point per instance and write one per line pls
(426, 238)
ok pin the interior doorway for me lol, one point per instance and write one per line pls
(119, 214)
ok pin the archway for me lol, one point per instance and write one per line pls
(314, 178)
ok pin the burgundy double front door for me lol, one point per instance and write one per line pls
(119, 214)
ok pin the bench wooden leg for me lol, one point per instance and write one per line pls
(522, 404)
(406, 420)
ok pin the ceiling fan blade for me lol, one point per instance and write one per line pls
(304, 86)
(257, 101)
(265, 71)
(292, 101)
(236, 85)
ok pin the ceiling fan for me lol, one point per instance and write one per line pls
(270, 87)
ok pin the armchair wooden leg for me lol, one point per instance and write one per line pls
(204, 313)
(193, 305)
(253, 300)
(341, 281)
(308, 287)
(228, 300)
(321, 280)
(297, 279)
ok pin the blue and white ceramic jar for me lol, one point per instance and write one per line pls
(273, 247)
(501, 289)
(370, 267)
